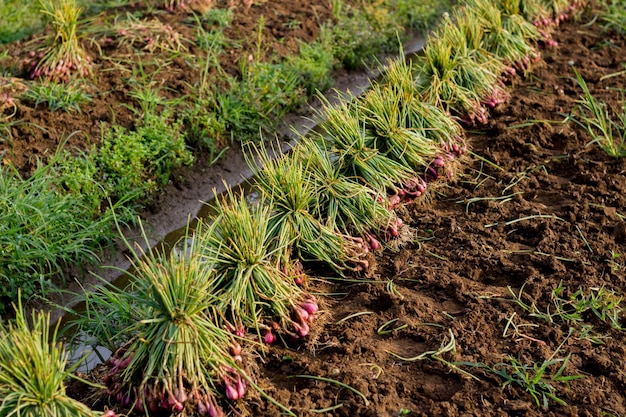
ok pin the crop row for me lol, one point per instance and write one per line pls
(121, 165)
(185, 330)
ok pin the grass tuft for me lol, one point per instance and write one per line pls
(43, 231)
(600, 122)
(67, 97)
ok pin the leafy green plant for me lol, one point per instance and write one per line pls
(213, 41)
(78, 174)
(171, 351)
(418, 14)
(205, 129)
(268, 91)
(600, 122)
(19, 19)
(61, 56)
(360, 34)
(33, 370)
(537, 379)
(313, 64)
(217, 16)
(259, 101)
(42, 231)
(141, 160)
(67, 97)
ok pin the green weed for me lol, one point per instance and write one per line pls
(19, 19)
(314, 64)
(67, 97)
(212, 42)
(606, 126)
(361, 34)
(418, 14)
(578, 309)
(42, 231)
(141, 160)
(259, 101)
(220, 17)
(614, 261)
(612, 15)
(78, 174)
(537, 379)
(206, 129)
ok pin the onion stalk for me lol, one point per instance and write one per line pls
(343, 203)
(295, 230)
(172, 352)
(456, 73)
(62, 56)
(249, 284)
(354, 153)
(33, 370)
(507, 36)
(388, 120)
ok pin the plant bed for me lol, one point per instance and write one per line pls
(157, 119)
(507, 259)
(507, 297)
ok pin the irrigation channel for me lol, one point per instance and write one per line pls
(166, 227)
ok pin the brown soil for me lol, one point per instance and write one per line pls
(456, 276)
(467, 257)
(41, 131)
